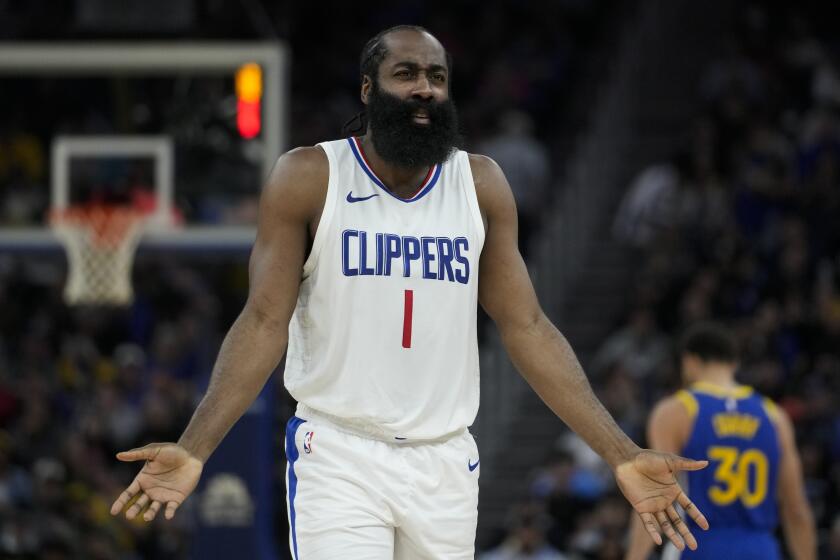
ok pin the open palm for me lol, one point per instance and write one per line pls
(649, 483)
(168, 477)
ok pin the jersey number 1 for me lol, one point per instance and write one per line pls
(408, 309)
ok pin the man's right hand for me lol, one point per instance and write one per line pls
(168, 477)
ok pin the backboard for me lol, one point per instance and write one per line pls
(197, 166)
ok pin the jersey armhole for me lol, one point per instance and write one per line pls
(689, 402)
(691, 406)
(771, 409)
(472, 197)
(326, 214)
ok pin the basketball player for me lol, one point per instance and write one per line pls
(755, 474)
(371, 255)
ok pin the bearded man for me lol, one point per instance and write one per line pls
(371, 257)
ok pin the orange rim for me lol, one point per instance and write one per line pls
(109, 225)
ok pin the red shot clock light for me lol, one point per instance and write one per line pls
(249, 88)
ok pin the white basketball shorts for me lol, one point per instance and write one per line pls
(355, 498)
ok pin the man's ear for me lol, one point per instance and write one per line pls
(367, 85)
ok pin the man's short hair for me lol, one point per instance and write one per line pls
(711, 342)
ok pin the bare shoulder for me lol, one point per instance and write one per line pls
(300, 171)
(487, 174)
(670, 408)
(298, 181)
(491, 186)
(482, 166)
(781, 420)
(669, 425)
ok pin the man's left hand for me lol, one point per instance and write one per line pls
(649, 482)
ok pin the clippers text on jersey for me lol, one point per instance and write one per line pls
(386, 254)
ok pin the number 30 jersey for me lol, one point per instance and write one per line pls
(735, 431)
(383, 339)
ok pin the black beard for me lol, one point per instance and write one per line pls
(402, 142)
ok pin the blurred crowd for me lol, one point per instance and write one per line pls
(77, 385)
(742, 225)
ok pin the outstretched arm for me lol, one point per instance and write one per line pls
(291, 201)
(543, 356)
(257, 340)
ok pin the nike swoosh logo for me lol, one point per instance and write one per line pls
(472, 466)
(351, 198)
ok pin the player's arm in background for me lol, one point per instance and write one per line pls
(544, 358)
(794, 510)
(291, 200)
(668, 428)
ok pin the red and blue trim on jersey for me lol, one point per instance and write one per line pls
(427, 185)
(292, 457)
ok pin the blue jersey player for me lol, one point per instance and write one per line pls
(754, 477)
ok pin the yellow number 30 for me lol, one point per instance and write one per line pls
(733, 472)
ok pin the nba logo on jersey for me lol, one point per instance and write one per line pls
(307, 442)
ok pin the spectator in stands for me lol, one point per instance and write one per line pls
(651, 203)
(526, 537)
(639, 348)
(526, 165)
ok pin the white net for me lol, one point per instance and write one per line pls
(100, 244)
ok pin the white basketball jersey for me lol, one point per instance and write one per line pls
(383, 338)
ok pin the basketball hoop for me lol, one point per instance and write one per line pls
(100, 242)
